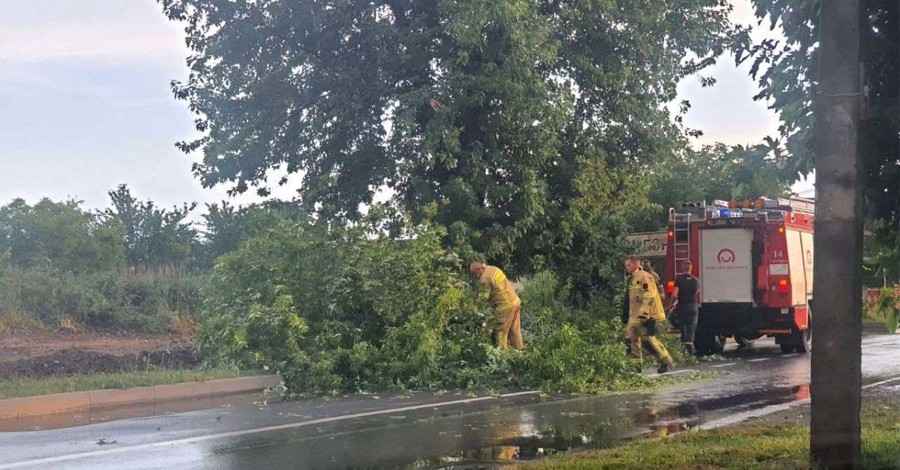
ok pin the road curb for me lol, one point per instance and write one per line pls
(57, 403)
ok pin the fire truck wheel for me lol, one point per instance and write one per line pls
(806, 336)
(800, 341)
(709, 343)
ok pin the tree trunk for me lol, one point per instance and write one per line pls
(837, 323)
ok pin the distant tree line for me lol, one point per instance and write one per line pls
(131, 233)
(134, 265)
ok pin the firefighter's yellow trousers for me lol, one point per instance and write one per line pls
(637, 334)
(508, 326)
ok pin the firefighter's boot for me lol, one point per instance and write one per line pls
(689, 349)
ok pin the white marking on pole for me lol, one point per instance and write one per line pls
(244, 432)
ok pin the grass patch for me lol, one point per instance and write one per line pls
(19, 321)
(26, 387)
(775, 446)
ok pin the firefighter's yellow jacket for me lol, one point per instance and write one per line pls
(643, 297)
(500, 291)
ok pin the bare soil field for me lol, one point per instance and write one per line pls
(42, 353)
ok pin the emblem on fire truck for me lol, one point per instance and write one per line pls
(725, 255)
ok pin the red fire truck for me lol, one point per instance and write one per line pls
(754, 260)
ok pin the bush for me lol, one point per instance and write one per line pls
(886, 305)
(577, 360)
(145, 301)
(338, 310)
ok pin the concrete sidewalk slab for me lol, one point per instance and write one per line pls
(44, 405)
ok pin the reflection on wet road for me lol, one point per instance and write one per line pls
(58, 421)
(429, 431)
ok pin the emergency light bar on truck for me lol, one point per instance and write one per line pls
(761, 208)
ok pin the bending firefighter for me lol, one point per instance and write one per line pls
(507, 324)
(645, 311)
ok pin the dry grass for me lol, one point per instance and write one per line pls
(19, 321)
(67, 325)
(184, 325)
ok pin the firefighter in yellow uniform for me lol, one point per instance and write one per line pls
(507, 324)
(645, 311)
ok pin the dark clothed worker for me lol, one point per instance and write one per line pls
(507, 322)
(687, 293)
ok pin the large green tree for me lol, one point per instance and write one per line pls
(154, 237)
(720, 172)
(227, 226)
(786, 70)
(498, 119)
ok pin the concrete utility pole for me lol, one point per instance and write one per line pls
(837, 303)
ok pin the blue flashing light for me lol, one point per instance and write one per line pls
(724, 212)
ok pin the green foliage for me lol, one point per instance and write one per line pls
(575, 359)
(59, 235)
(154, 237)
(887, 305)
(337, 296)
(787, 71)
(546, 302)
(227, 226)
(343, 310)
(719, 172)
(881, 253)
(518, 125)
(144, 301)
(59, 262)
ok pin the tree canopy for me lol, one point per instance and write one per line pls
(227, 226)
(720, 172)
(496, 119)
(786, 71)
(153, 236)
(59, 235)
(787, 74)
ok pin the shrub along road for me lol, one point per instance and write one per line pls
(433, 429)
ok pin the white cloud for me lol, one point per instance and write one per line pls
(743, 12)
(726, 112)
(101, 30)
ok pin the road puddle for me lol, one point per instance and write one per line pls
(592, 423)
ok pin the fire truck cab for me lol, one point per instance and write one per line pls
(755, 265)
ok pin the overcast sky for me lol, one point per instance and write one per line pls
(85, 103)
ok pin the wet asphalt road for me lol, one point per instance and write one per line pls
(452, 430)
